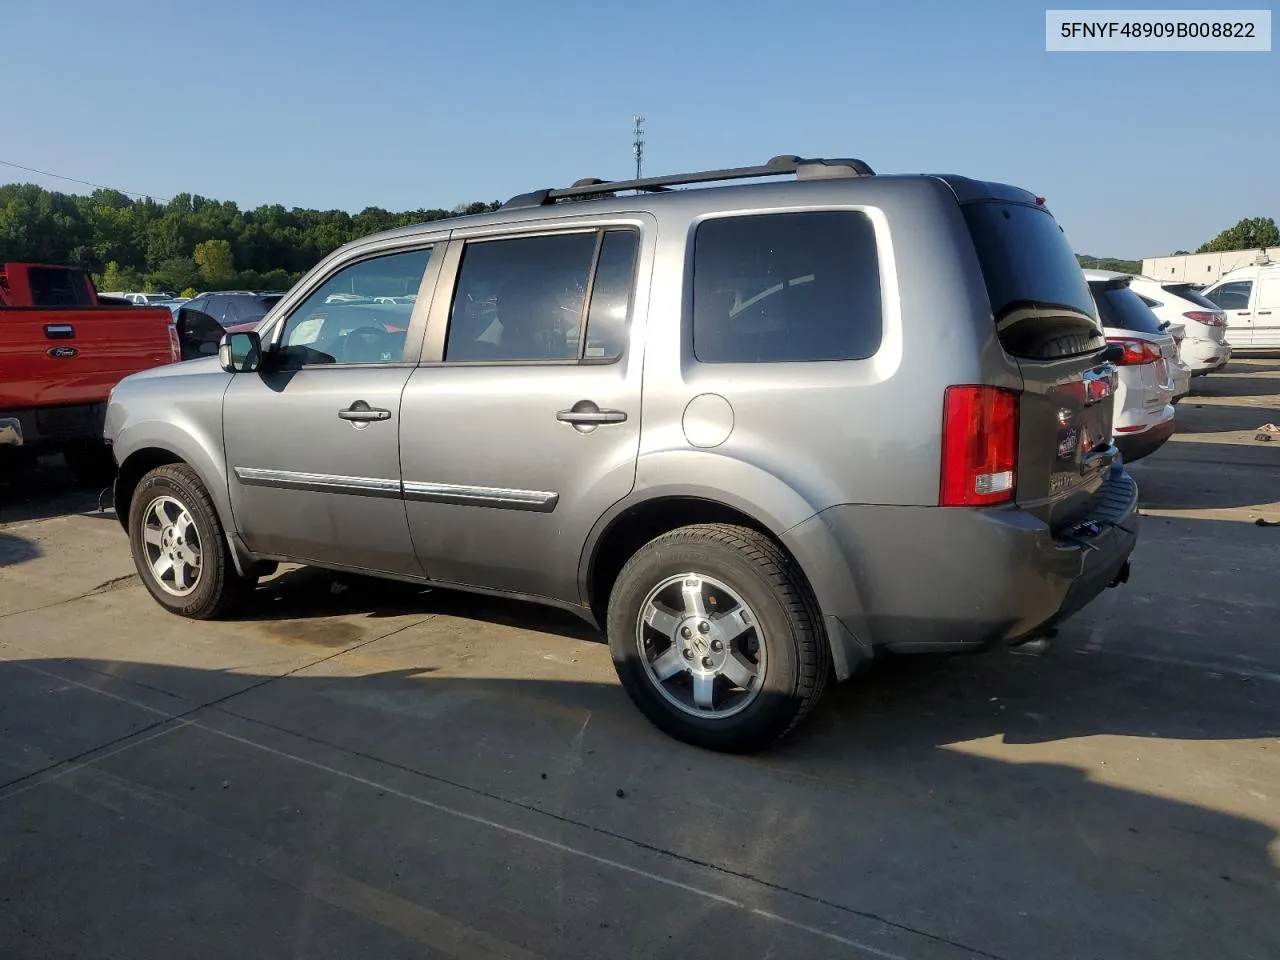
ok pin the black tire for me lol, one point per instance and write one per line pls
(91, 466)
(219, 589)
(798, 659)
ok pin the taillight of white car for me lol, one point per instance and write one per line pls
(1136, 352)
(175, 349)
(1205, 317)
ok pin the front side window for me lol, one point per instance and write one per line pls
(1232, 296)
(786, 287)
(359, 315)
(522, 299)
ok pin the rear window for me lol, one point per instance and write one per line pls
(780, 287)
(55, 287)
(1188, 292)
(1123, 309)
(1038, 295)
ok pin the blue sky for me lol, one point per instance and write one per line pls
(405, 104)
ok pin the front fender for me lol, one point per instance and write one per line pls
(193, 445)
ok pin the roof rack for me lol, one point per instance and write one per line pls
(811, 169)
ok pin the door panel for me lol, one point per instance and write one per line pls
(1234, 298)
(306, 483)
(509, 461)
(500, 493)
(312, 440)
(1266, 311)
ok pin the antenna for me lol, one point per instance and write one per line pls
(637, 145)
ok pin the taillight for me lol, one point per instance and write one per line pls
(979, 446)
(175, 349)
(1136, 352)
(1203, 316)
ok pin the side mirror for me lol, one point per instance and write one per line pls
(240, 352)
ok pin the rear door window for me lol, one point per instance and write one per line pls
(1122, 309)
(1038, 293)
(784, 287)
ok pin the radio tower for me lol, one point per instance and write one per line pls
(637, 145)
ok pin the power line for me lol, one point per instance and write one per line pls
(84, 183)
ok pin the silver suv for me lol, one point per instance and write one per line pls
(755, 432)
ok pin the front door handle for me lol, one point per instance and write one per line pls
(1264, 313)
(361, 412)
(591, 416)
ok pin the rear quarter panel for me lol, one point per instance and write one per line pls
(106, 345)
(854, 431)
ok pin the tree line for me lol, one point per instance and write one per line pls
(186, 244)
(193, 243)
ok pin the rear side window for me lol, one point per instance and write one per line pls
(52, 287)
(1232, 296)
(1122, 309)
(786, 287)
(1038, 294)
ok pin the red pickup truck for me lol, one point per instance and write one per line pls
(61, 352)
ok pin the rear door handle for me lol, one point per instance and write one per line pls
(361, 412)
(1264, 313)
(59, 331)
(591, 416)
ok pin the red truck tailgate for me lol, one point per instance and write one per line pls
(51, 356)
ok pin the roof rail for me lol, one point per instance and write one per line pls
(811, 169)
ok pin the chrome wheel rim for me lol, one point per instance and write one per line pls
(701, 646)
(171, 544)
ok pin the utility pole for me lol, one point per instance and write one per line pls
(637, 145)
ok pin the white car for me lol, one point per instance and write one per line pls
(1204, 347)
(1144, 411)
(1250, 297)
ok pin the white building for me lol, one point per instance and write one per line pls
(1201, 268)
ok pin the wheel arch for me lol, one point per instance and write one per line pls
(639, 518)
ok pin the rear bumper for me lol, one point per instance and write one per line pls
(1205, 356)
(10, 432)
(1135, 446)
(935, 579)
(54, 428)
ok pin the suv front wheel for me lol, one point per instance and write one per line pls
(716, 637)
(179, 547)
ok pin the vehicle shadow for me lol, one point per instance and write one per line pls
(1196, 475)
(887, 806)
(1194, 417)
(299, 593)
(15, 549)
(46, 489)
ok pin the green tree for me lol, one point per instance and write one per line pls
(1249, 233)
(116, 277)
(216, 263)
(177, 273)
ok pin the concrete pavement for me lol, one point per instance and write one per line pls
(369, 769)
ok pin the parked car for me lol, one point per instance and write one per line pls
(1144, 414)
(203, 320)
(784, 426)
(1204, 347)
(140, 299)
(61, 352)
(1250, 298)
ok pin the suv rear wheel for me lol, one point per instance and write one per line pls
(179, 547)
(716, 637)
